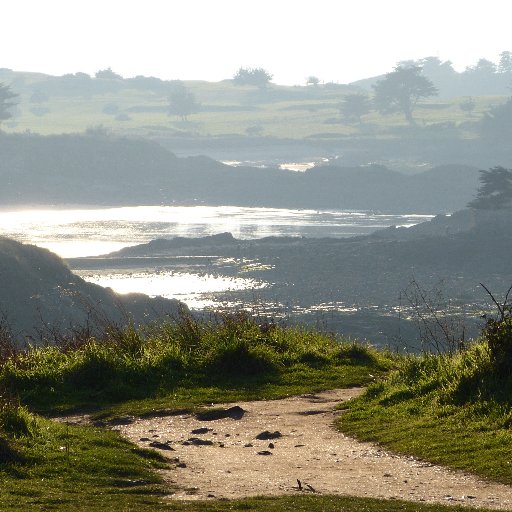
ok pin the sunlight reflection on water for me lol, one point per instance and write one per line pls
(193, 289)
(90, 232)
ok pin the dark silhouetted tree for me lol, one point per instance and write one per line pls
(312, 80)
(182, 102)
(6, 102)
(252, 76)
(495, 191)
(401, 89)
(355, 105)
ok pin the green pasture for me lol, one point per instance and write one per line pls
(229, 110)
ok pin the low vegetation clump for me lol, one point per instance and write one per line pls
(457, 408)
(161, 363)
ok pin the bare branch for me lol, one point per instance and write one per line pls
(498, 305)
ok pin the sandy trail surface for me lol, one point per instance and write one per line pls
(224, 459)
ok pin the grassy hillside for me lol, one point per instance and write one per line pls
(457, 407)
(133, 371)
(41, 296)
(50, 466)
(175, 367)
(50, 105)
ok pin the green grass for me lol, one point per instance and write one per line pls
(59, 467)
(450, 409)
(189, 362)
(45, 465)
(276, 119)
(295, 380)
(316, 504)
(227, 110)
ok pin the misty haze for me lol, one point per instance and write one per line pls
(176, 249)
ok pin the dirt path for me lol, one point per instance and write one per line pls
(227, 461)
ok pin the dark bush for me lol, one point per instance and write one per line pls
(314, 359)
(95, 371)
(238, 359)
(7, 453)
(499, 338)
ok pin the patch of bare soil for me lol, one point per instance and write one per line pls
(289, 446)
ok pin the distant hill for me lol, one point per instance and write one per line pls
(96, 169)
(39, 294)
(483, 79)
(233, 117)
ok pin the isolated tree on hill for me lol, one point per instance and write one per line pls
(495, 192)
(312, 80)
(400, 91)
(355, 105)
(252, 76)
(182, 102)
(6, 102)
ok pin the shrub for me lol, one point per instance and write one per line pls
(498, 334)
(135, 362)
(7, 452)
(15, 420)
(235, 358)
(96, 367)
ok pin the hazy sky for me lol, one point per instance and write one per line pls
(335, 40)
